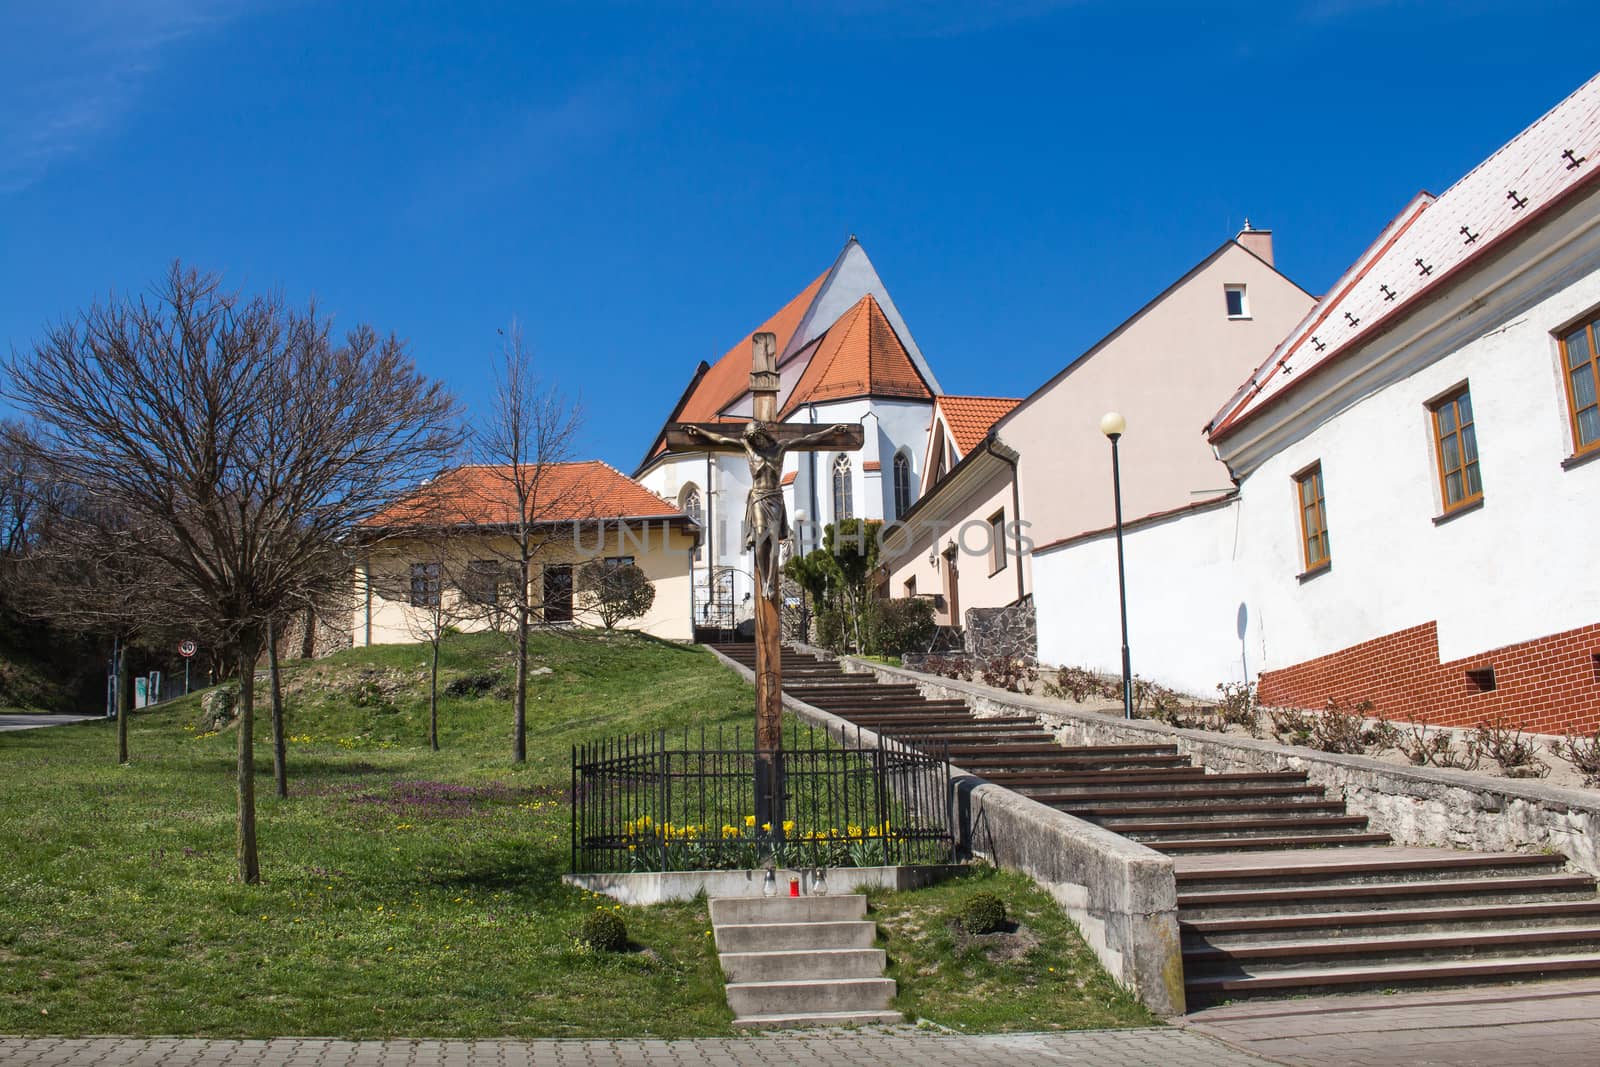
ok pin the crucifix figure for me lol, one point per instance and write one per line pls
(765, 441)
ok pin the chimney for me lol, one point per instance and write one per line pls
(1257, 241)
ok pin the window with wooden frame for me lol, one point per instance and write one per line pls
(1455, 439)
(997, 542)
(425, 585)
(1313, 518)
(843, 506)
(1580, 365)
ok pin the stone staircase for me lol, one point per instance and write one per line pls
(801, 961)
(1280, 889)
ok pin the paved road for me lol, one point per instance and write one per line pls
(33, 722)
(1100, 1048)
(1543, 1024)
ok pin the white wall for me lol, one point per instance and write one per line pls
(1522, 566)
(1190, 626)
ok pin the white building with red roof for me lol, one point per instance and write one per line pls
(1418, 469)
(1020, 490)
(846, 355)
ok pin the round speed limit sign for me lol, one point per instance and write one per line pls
(187, 648)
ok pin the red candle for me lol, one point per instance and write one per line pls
(794, 887)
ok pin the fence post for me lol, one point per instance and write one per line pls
(572, 803)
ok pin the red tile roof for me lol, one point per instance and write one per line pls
(729, 377)
(859, 355)
(1429, 245)
(482, 495)
(788, 479)
(971, 417)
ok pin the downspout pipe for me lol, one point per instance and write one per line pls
(993, 446)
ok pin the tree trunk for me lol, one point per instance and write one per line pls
(519, 695)
(433, 699)
(124, 701)
(245, 841)
(308, 637)
(280, 743)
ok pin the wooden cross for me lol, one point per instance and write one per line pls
(765, 441)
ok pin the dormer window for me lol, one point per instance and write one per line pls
(1233, 296)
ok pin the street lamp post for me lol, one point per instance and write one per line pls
(1112, 425)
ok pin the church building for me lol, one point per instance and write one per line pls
(845, 355)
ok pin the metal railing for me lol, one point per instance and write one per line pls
(685, 801)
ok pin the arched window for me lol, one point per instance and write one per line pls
(842, 508)
(690, 504)
(902, 484)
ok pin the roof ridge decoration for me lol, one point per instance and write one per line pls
(1429, 242)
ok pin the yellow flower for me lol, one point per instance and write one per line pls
(750, 820)
(788, 826)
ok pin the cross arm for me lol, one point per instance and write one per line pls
(716, 437)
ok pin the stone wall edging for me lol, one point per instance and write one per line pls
(1426, 806)
(1122, 895)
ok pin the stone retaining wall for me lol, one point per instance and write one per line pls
(1122, 895)
(1414, 805)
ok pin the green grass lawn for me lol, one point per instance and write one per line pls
(404, 892)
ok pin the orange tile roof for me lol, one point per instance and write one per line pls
(482, 495)
(971, 417)
(788, 479)
(859, 355)
(729, 377)
(872, 465)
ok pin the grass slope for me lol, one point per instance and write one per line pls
(405, 892)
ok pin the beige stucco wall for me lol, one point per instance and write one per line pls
(960, 513)
(1167, 372)
(383, 613)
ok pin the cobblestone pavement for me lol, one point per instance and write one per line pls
(1544, 1024)
(1111, 1048)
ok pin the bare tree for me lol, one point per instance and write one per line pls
(529, 429)
(243, 442)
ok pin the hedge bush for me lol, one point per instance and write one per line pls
(982, 913)
(604, 931)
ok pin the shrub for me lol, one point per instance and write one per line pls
(1583, 752)
(1425, 747)
(1236, 706)
(900, 626)
(604, 931)
(1517, 756)
(954, 665)
(615, 591)
(1076, 684)
(1291, 726)
(1003, 672)
(470, 685)
(982, 913)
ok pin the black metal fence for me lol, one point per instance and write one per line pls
(687, 801)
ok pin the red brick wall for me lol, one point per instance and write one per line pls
(1547, 685)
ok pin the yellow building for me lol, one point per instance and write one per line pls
(449, 553)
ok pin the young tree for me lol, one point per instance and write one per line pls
(242, 440)
(615, 592)
(528, 430)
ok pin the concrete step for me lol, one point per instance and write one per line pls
(1544, 914)
(803, 964)
(1067, 760)
(1312, 839)
(809, 996)
(744, 911)
(1211, 989)
(791, 1021)
(1154, 806)
(1284, 956)
(1265, 902)
(1364, 869)
(1197, 826)
(1087, 797)
(776, 937)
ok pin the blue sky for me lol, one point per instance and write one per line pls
(641, 183)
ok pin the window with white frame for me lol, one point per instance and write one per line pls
(1233, 297)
